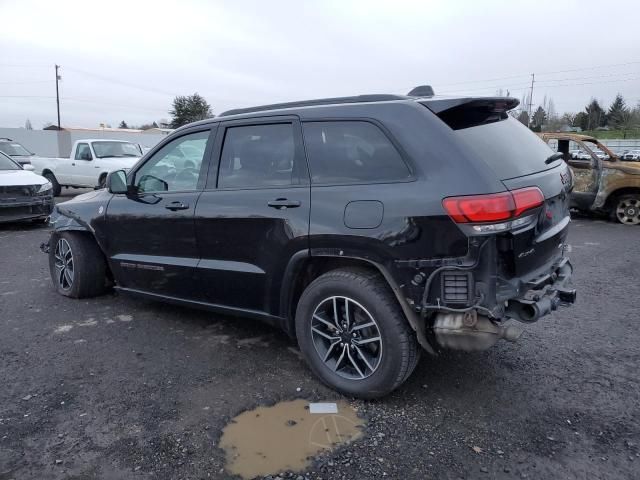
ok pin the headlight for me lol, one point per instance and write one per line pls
(44, 189)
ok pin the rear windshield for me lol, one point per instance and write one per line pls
(508, 147)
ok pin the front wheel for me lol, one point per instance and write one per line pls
(77, 266)
(54, 183)
(627, 209)
(353, 333)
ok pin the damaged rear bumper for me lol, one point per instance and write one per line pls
(525, 300)
(544, 294)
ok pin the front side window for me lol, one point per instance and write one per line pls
(257, 156)
(352, 152)
(177, 166)
(83, 152)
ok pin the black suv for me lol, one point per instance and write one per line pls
(367, 227)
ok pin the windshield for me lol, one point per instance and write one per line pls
(7, 164)
(116, 149)
(508, 147)
(14, 149)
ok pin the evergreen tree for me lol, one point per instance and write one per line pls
(123, 124)
(187, 109)
(539, 118)
(618, 113)
(523, 117)
(596, 117)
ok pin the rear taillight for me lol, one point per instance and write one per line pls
(493, 207)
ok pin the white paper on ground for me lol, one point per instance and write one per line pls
(323, 408)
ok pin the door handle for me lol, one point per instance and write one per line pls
(173, 206)
(283, 203)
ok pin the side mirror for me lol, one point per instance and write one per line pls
(28, 167)
(117, 182)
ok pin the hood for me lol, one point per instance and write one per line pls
(11, 178)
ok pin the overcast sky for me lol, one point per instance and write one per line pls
(127, 60)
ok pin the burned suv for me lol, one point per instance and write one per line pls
(369, 228)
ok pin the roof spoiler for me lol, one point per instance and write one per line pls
(461, 113)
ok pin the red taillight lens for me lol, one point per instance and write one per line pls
(494, 207)
(526, 199)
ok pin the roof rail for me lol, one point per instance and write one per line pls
(320, 101)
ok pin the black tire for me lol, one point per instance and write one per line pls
(102, 182)
(89, 270)
(56, 186)
(626, 209)
(371, 295)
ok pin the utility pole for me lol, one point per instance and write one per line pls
(533, 76)
(58, 95)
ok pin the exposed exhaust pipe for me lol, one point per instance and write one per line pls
(468, 331)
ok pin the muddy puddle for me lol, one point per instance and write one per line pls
(286, 436)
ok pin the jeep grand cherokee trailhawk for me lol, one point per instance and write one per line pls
(368, 227)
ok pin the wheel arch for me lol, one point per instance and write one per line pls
(614, 195)
(64, 223)
(304, 267)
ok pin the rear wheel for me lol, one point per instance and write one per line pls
(77, 266)
(102, 183)
(353, 334)
(627, 209)
(54, 182)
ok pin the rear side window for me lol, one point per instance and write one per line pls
(351, 152)
(258, 156)
(508, 147)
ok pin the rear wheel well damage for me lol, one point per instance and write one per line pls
(310, 268)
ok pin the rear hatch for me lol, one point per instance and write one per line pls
(518, 158)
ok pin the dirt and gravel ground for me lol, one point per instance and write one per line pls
(118, 388)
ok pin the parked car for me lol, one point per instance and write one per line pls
(366, 227)
(88, 164)
(631, 156)
(602, 182)
(578, 154)
(16, 151)
(23, 194)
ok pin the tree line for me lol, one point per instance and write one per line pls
(619, 116)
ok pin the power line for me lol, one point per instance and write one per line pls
(28, 82)
(594, 76)
(592, 67)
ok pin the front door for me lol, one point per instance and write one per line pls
(151, 234)
(256, 217)
(584, 166)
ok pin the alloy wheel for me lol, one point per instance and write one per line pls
(628, 211)
(346, 337)
(64, 264)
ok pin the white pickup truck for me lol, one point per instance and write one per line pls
(89, 163)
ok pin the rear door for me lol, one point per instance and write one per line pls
(151, 234)
(254, 216)
(584, 166)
